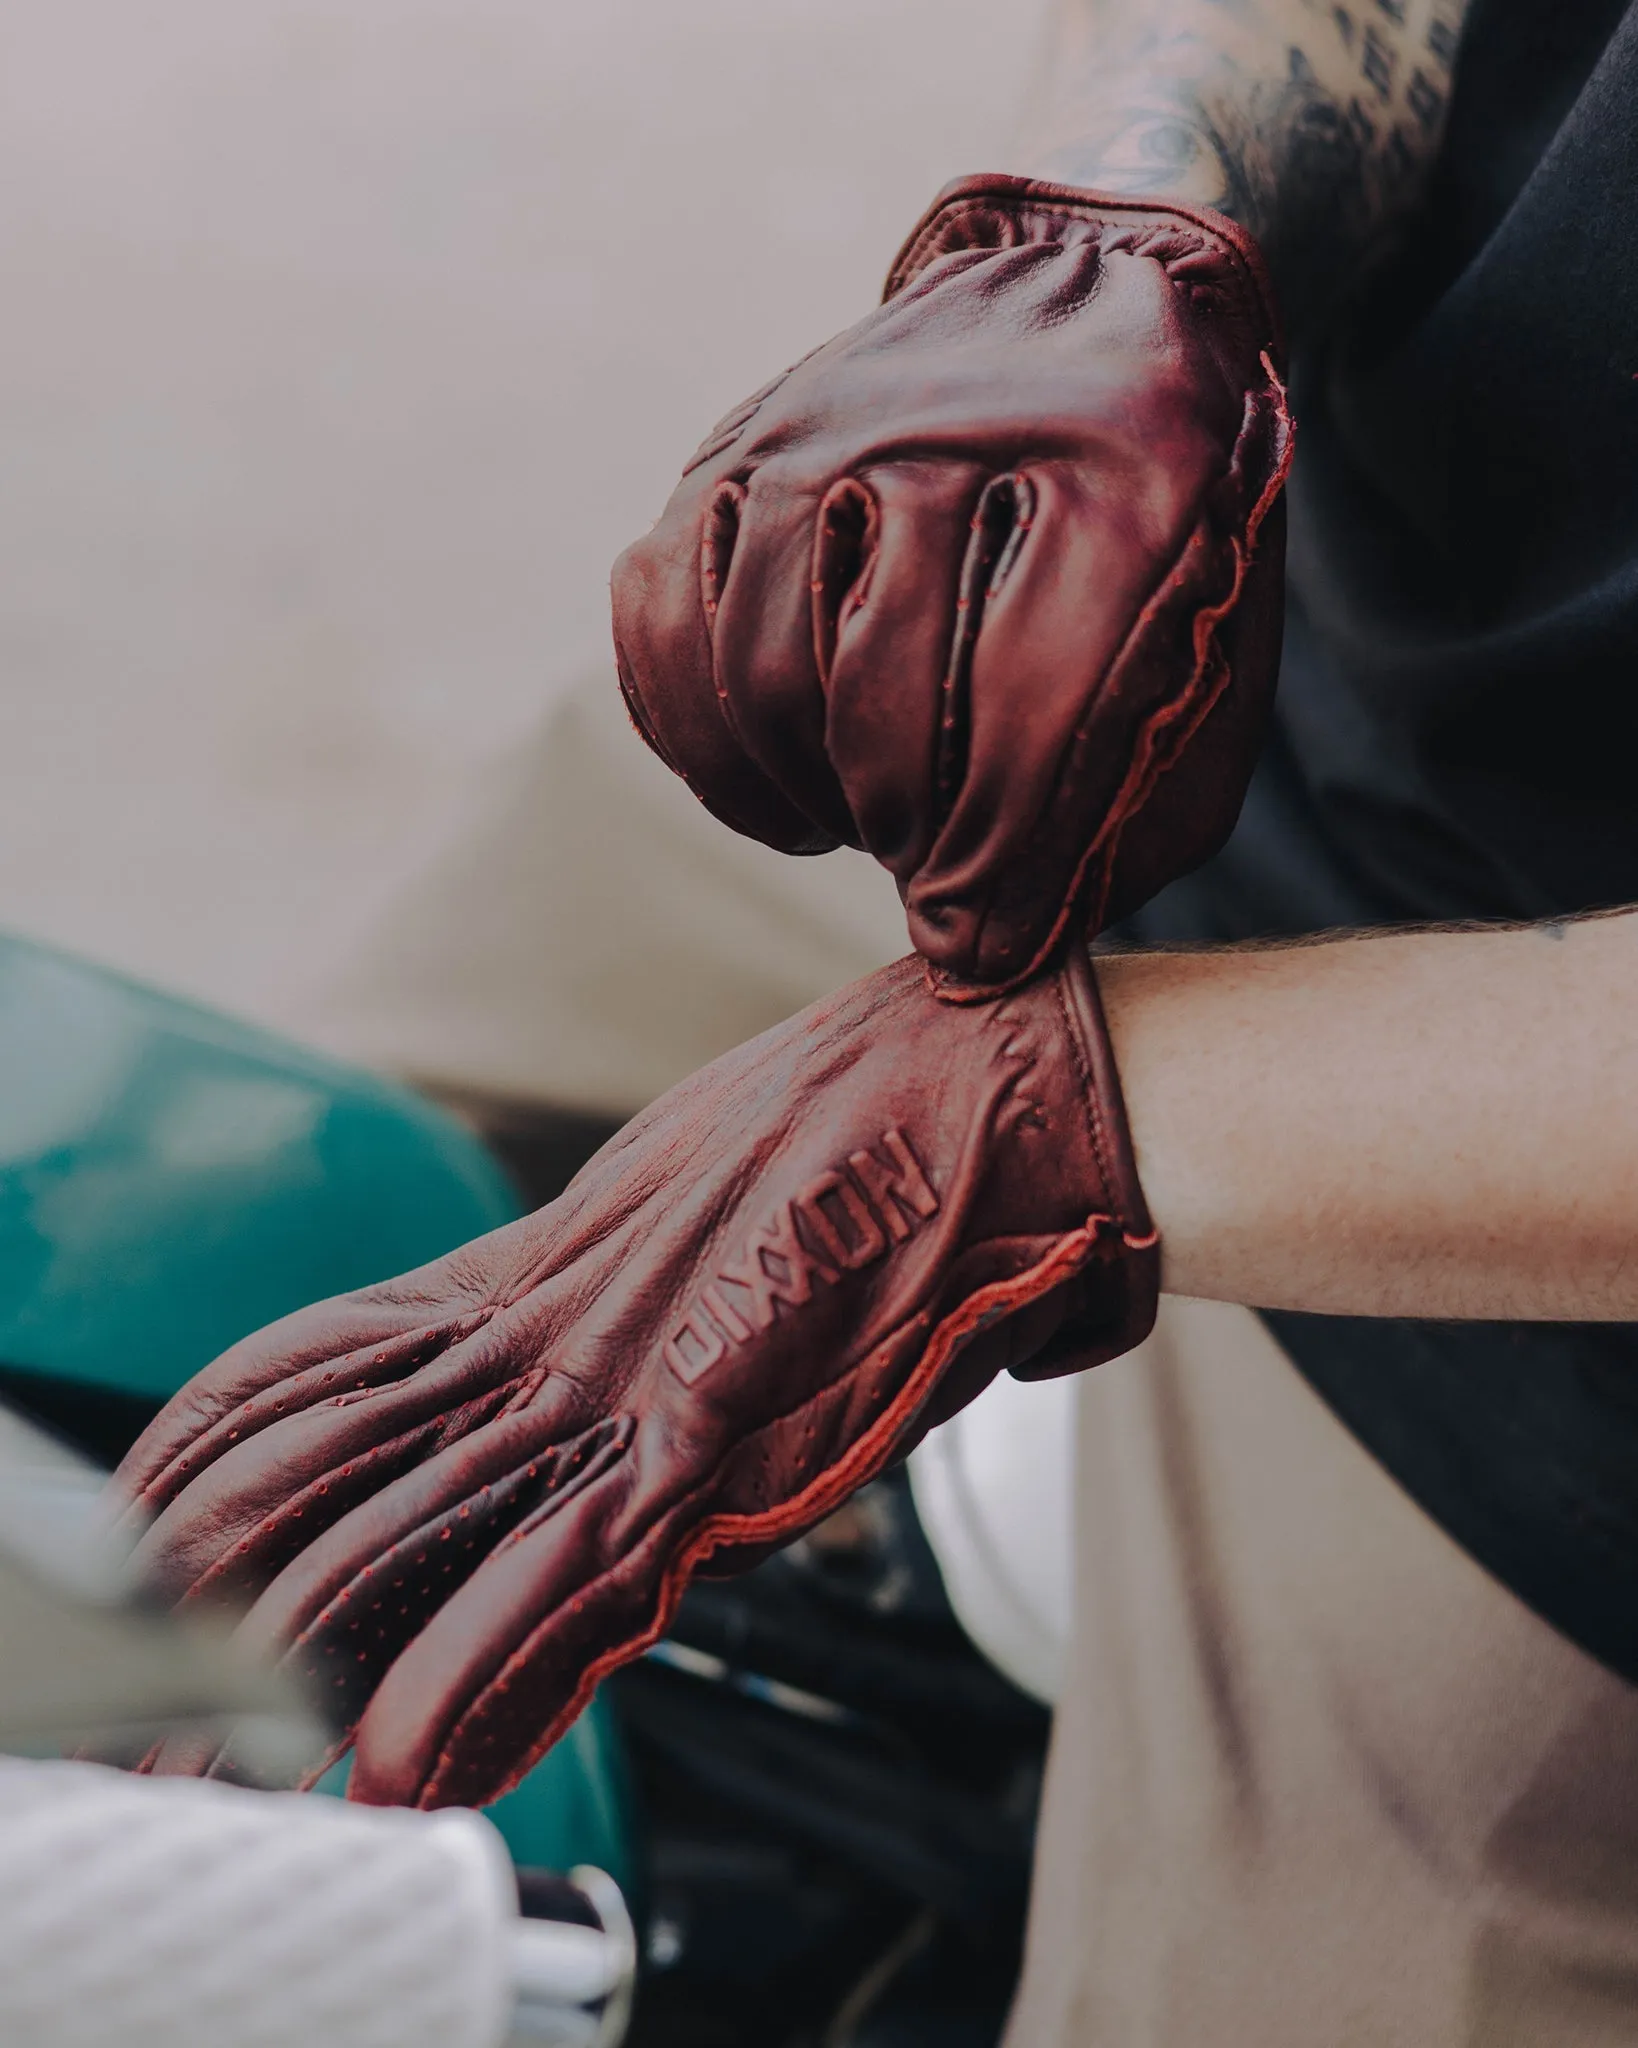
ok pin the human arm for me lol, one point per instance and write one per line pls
(1439, 1123)
(1311, 124)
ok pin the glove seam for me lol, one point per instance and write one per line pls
(1139, 784)
(1087, 1092)
(831, 1485)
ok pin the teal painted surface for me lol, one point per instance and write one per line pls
(574, 1805)
(572, 1808)
(171, 1179)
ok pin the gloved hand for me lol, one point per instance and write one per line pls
(991, 584)
(465, 1495)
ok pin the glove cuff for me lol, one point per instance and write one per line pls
(1205, 253)
(1119, 1293)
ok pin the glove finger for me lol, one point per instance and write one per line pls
(888, 608)
(667, 591)
(352, 1342)
(1042, 628)
(261, 1499)
(343, 1610)
(333, 1344)
(496, 1676)
(762, 639)
(339, 1613)
(1075, 620)
(261, 1484)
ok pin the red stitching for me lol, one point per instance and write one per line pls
(1146, 766)
(827, 1490)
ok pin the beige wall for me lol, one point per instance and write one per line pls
(344, 343)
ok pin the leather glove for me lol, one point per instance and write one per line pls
(465, 1495)
(991, 584)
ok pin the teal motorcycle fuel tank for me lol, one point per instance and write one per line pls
(171, 1179)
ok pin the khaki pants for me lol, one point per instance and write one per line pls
(1316, 1778)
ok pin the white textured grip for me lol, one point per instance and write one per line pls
(167, 1913)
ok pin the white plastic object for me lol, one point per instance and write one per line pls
(145, 1912)
(175, 1913)
(994, 1492)
(574, 1984)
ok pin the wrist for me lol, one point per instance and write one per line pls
(1432, 1123)
(1175, 1139)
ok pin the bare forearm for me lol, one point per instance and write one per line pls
(1430, 1124)
(1311, 123)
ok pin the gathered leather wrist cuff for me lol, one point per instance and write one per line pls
(1215, 260)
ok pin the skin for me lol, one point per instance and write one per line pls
(1438, 1123)
(1430, 1123)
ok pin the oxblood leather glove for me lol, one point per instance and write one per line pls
(465, 1495)
(991, 584)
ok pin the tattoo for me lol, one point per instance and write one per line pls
(1313, 122)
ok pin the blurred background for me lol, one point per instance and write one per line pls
(346, 342)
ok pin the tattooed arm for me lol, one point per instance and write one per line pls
(1439, 1123)
(1311, 123)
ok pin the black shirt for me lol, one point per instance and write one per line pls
(1457, 727)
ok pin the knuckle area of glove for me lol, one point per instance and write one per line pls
(1021, 376)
